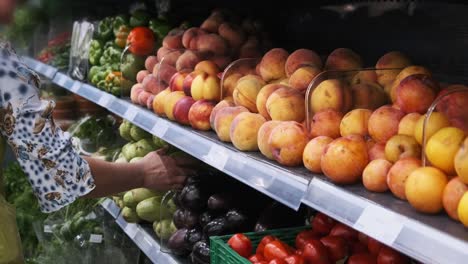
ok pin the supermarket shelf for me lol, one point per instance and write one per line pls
(141, 236)
(428, 238)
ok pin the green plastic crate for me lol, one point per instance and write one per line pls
(221, 253)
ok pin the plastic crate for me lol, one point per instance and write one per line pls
(221, 253)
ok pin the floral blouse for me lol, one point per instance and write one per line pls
(47, 155)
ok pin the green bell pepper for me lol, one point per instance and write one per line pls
(93, 71)
(159, 27)
(120, 20)
(104, 30)
(131, 65)
(95, 51)
(139, 18)
(113, 83)
(110, 56)
(100, 74)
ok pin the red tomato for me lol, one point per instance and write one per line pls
(337, 247)
(256, 258)
(362, 238)
(303, 237)
(362, 258)
(294, 259)
(265, 240)
(344, 231)
(241, 244)
(275, 250)
(322, 224)
(358, 247)
(315, 253)
(373, 246)
(141, 41)
(261, 262)
(277, 261)
(390, 256)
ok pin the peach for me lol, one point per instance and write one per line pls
(159, 101)
(199, 114)
(234, 35)
(149, 102)
(435, 122)
(189, 37)
(135, 92)
(150, 62)
(355, 122)
(452, 195)
(246, 91)
(342, 59)
(173, 39)
(250, 49)
(374, 176)
(393, 59)
(286, 104)
(141, 75)
(368, 95)
(244, 131)
(224, 103)
(212, 23)
(188, 60)
(326, 123)
(287, 142)
(455, 106)
(221, 61)
(402, 146)
(181, 110)
(164, 73)
(442, 147)
(162, 51)
(272, 64)
(143, 97)
(223, 121)
(364, 76)
(410, 70)
(461, 162)
(398, 173)
(206, 86)
(424, 189)
(170, 102)
(169, 57)
(408, 123)
(262, 98)
(313, 153)
(416, 93)
(207, 66)
(344, 159)
(187, 83)
(152, 85)
(229, 83)
(302, 77)
(331, 94)
(376, 151)
(212, 43)
(383, 123)
(177, 81)
(263, 136)
(300, 58)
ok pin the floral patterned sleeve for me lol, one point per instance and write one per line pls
(47, 155)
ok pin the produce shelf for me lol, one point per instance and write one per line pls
(141, 235)
(428, 238)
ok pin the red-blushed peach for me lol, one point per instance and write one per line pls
(246, 91)
(234, 35)
(300, 58)
(188, 60)
(390, 89)
(187, 83)
(181, 110)
(408, 123)
(383, 123)
(199, 114)
(143, 98)
(398, 173)
(212, 23)
(190, 36)
(368, 95)
(287, 142)
(401, 146)
(286, 104)
(374, 176)
(230, 83)
(326, 123)
(150, 62)
(207, 66)
(355, 122)
(272, 64)
(177, 81)
(331, 94)
(313, 153)
(152, 85)
(350, 153)
(159, 101)
(364, 76)
(212, 43)
(170, 102)
(455, 106)
(135, 92)
(392, 59)
(302, 77)
(206, 86)
(171, 57)
(164, 73)
(141, 75)
(224, 103)
(452, 195)
(222, 61)
(223, 121)
(162, 51)
(343, 59)
(376, 151)
(263, 136)
(250, 49)
(416, 93)
(262, 98)
(173, 39)
(149, 101)
(244, 131)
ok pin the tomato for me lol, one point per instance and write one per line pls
(373, 246)
(256, 258)
(265, 240)
(322, 224)
(241, 244)
(358, 247)
(390, 256)
(303, 237)
(261, 262)
(141, 41)
(275, 250)
(362, 238)
(294, 259)
(315, 253)
(362, 258)
(337, 247)
(277, 261)
(344, 231)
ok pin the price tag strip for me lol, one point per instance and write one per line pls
(217, 157)
(49, 72)
(131, 113)
(75, 87)
(104, 99)
(160, 128)
(95, 238)
(131, 230)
